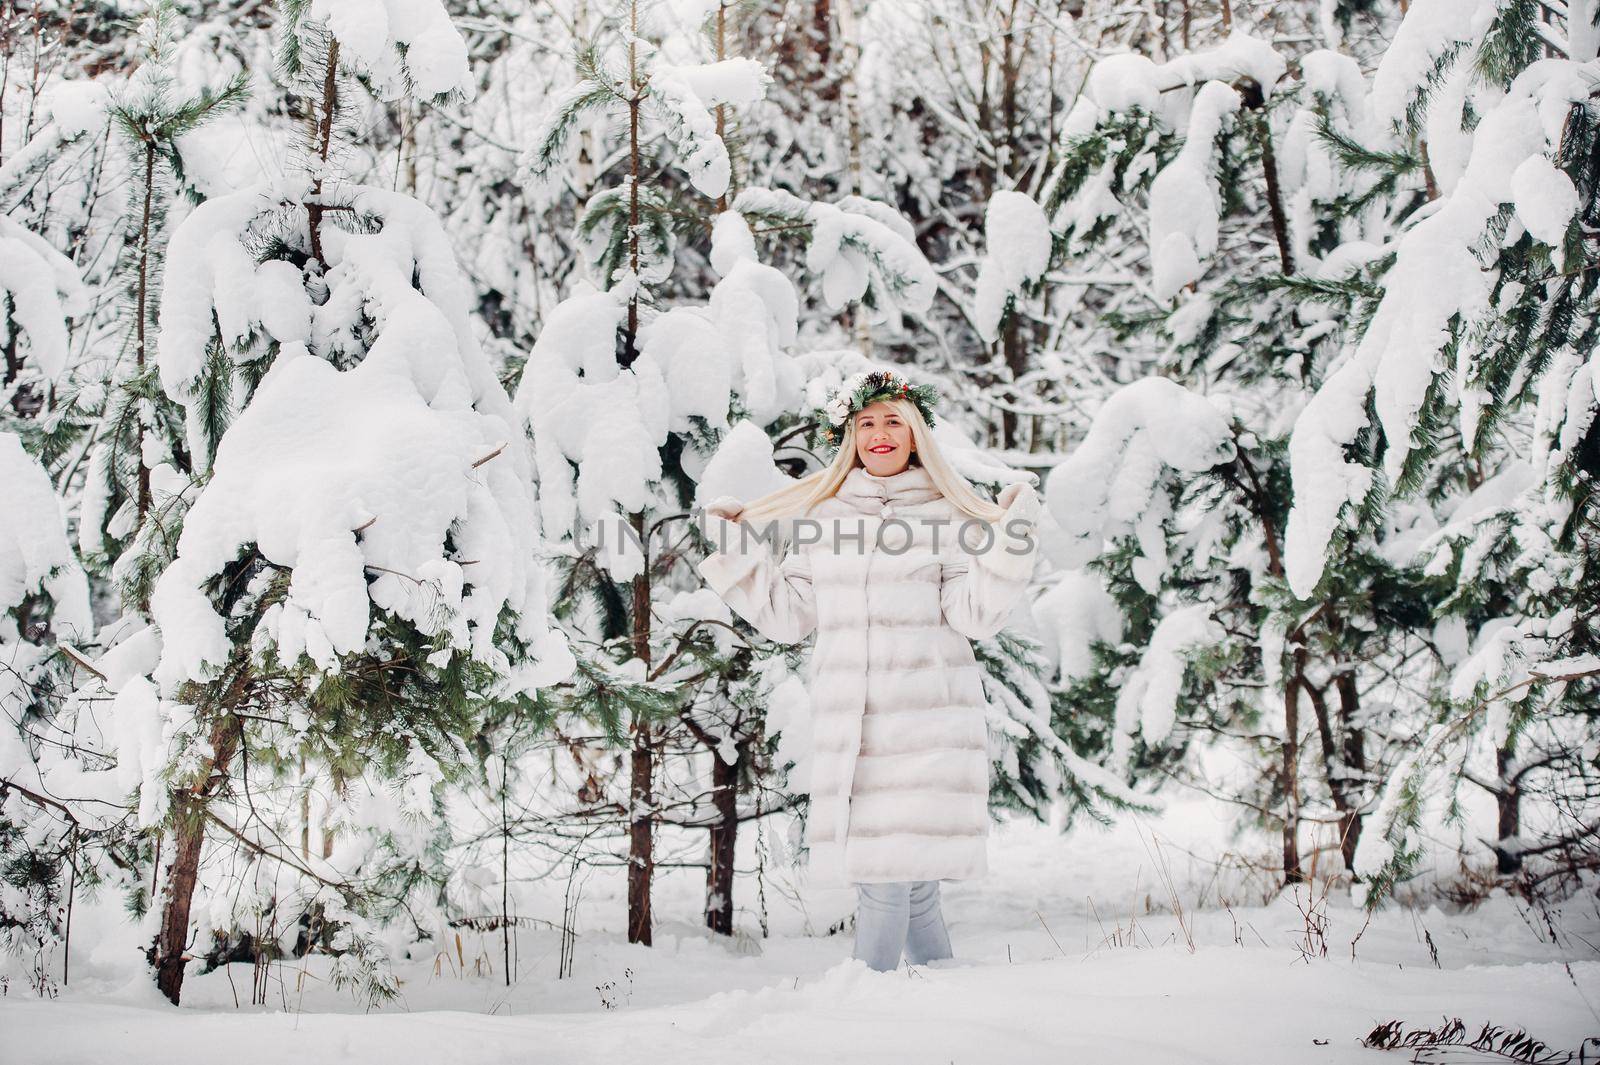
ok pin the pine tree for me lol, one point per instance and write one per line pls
(1177, 499)
(605, 355)
(138, 461)
(1248, 552)
(1496, 435)
(359, 634)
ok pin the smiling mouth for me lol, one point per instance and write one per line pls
(881, 449)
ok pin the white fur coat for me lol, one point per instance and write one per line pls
(900, 767)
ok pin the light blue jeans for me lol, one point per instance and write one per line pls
(897, 918)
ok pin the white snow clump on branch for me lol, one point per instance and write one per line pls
(44, 289)
(214, 286)
(1184, 199)
(1017, 236)
(35, 555)
(683, 97)
(1111, 485)
(409, 468)
(1122, 82)
(585, 410)
(854, 244)
(70, 110)
(736, 344)
(395, 41)
(1148, 699)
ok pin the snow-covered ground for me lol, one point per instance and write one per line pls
(1068, 951)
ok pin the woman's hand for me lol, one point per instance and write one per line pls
(726, 507)
(1010, 492)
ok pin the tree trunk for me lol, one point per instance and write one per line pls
(1355, 762)
(324, 136)
(641, 792)
(1338, 748)
(1254, 97)
(822, 32)
(850, 38)
(724, 834)
(1509, 801)
(1291, 789)
(142, 309)
(189, 817)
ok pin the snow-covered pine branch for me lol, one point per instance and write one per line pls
(36, 559)
(1113, 484)
(41, 289)
(400, 48)
(682, 98)
(862, 250)
(421, 398)
(1017, 235)
(73, 111)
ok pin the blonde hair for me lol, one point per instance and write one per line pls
(797, 499)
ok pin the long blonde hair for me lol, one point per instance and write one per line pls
(797, 499)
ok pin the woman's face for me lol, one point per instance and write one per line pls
(883, 439)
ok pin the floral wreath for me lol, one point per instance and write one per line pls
(861, 389)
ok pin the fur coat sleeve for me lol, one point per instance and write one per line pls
(977, 593)
(775, 597)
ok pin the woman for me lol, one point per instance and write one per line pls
(898, 564)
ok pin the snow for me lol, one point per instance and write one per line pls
(1449, 143)
(82, 114)
(1072, 614)
(320, 454)
(133, 650)
(382, 471)
(214, 285)
(231, 153)
(1110, 485)
(1431, 28)
(855, 244)
(1065, 951)
(1123, 81)
(1583, 30)
(1311, 175)
(1147, 701)
(1505, 654)
(1333, 74)
(1017, 235)
(585, 410)
(35, 555)
(731, 241)
(43, 288)
(345, 475)
(690, 126)
(1240, 55)
(401, 41)
(737, 82)
(211, 287)
(755, 311)
(139, 737)
(1184, 200)
(77, 107)
(693, 13)
(1546, 199)
(742, 467)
